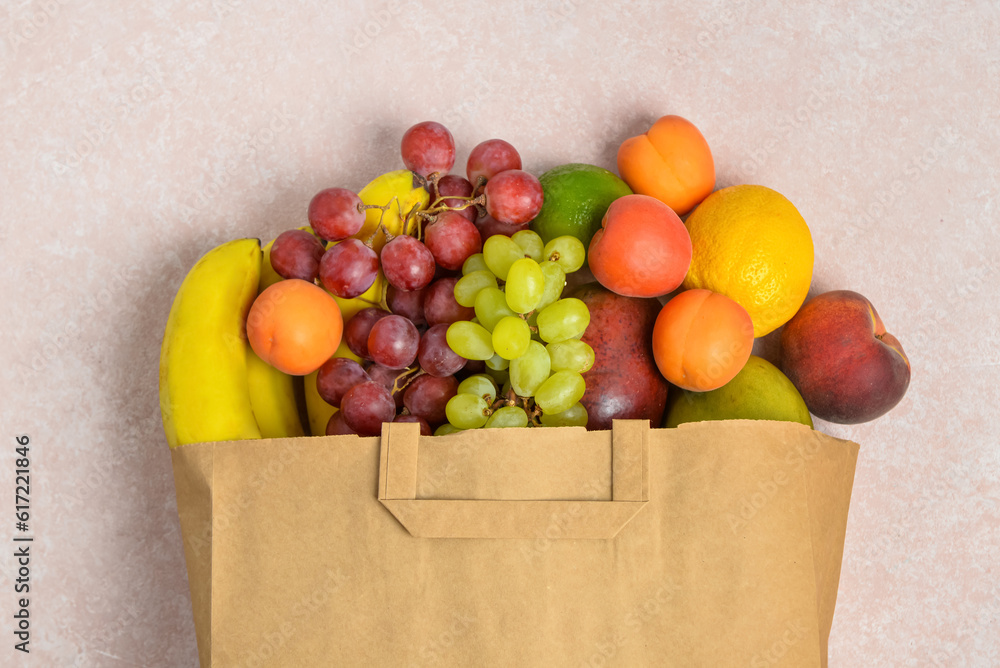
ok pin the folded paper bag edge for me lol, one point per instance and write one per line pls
(489, 519)
(194, 484)
(514, 518)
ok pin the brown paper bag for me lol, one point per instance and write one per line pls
(714, 544)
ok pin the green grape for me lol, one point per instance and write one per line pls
(446, 428)
(555, 281)
(511, 337)
(508, 416)
(491, 307)
(497, 362)
(469, 286)
(529, 370)
(530, 243)
(568, 251)
(560, 391)
(467, 411)
(500, 252)
(474, 262)
(501, 376)
(574, 416)
(525, 285)
(470, 340)
(479, 385)
(571, 355)
(565, 319)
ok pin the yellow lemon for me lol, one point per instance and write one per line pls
(752, 245)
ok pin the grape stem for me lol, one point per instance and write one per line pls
(533, 414)
(431, 183)
(480, 184)
(412, 215)
(465, 202)
(389, 236)
(385, 207)
(407, 378)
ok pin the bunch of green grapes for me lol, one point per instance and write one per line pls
(527, 334)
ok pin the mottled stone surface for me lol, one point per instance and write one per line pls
(136, 136)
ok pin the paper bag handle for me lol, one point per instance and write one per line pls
(486, 518)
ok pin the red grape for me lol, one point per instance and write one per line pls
(440, 305)
(348, 269)
(336, 377)
(513, 197)
(358, 328)
(425, 429)
(336, 425)
(335, 214)
(427, 396)
(366, 406)
(488, 226)
(296, 254)
(455, 186)
(428, 147)
(441, 272)
(407, 303)
(407, 263)
(435, 355)
(491, 157)
(386, 377)
(451, 239)
(393, 342)
(472, 367)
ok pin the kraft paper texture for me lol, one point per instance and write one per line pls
(714, 544)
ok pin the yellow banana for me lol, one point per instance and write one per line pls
(395, 189)
(204, 394)
(320, 411)
(272, 397)
(272, 392)
(268, 276)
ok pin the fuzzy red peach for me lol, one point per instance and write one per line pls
(642, 248)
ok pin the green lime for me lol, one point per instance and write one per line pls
(576, 198)
(759, 392)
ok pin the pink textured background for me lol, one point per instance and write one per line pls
(136, 136)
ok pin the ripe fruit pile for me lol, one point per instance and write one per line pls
(437, 298)
(540, 384)
(442, 297)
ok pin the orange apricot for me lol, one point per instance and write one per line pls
(295, 326)
(671, 162)
(701, 340)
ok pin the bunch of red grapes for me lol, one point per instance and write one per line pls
(409, 371)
